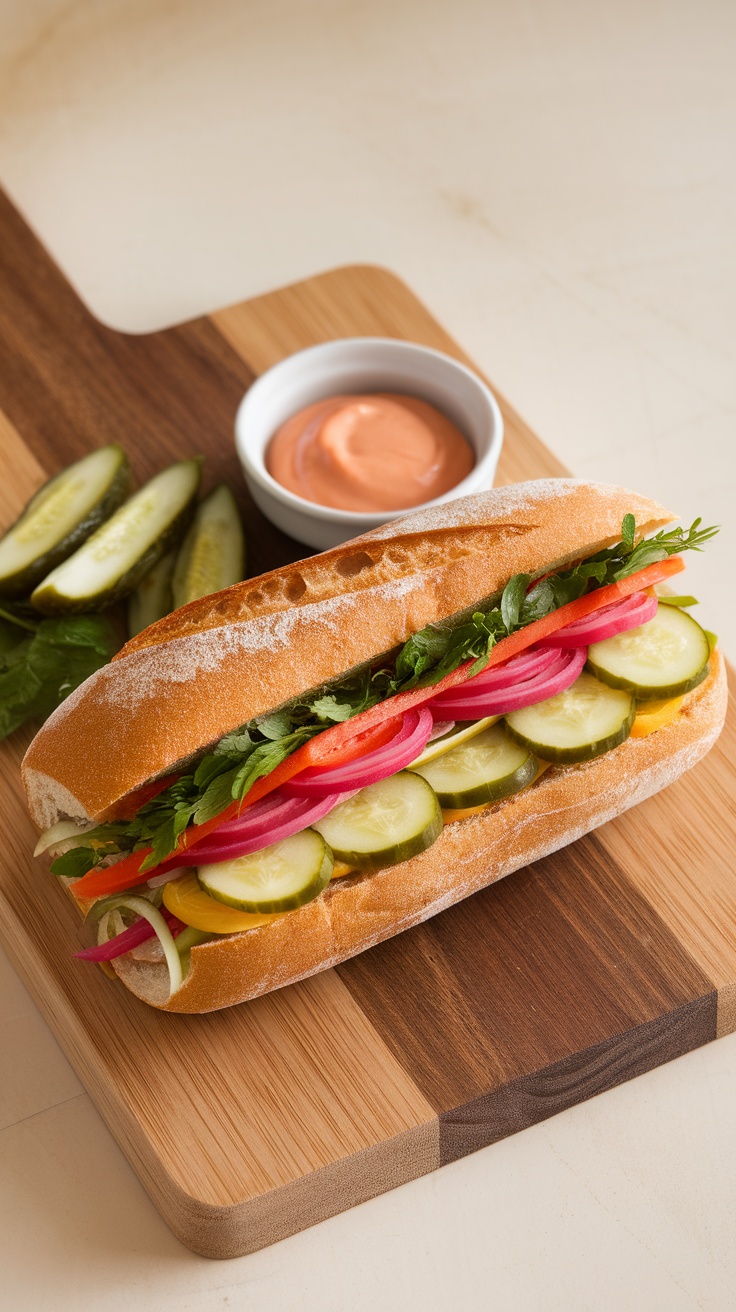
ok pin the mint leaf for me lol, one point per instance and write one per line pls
(419, 654)
(628, 532)
(512, 600)
(75, 863)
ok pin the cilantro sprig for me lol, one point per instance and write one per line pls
(254, 750)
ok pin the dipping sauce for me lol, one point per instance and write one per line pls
(381, 451)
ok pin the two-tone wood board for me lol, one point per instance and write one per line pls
(594, 965)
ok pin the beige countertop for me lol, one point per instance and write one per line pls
(555, 179)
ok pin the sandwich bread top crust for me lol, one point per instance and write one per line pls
(196, 675)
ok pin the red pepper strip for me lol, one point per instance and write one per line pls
(131, 805)
(351, 739)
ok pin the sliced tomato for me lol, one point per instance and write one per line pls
(372, 728)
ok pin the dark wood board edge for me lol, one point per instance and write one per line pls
(537, 1097)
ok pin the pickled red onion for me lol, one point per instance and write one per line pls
(634, 610)
(411, 739)
(251, 834)
(130, 938)
(465, 704)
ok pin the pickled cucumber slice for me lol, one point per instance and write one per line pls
(460, 732)
(212, 555)
(661, 659)
(60, 517)
(114, 560)
(152, 598)
(483, 768)
(586, 720)
(384, 823)
(278, 878)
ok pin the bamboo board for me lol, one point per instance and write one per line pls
(592, 966)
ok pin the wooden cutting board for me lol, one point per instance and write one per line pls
(598, 963)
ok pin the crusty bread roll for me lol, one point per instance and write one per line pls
(183, 683)
(180, 685)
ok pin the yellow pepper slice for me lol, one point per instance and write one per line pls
(184, 898)
(655, 715)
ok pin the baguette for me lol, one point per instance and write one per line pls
(196, 675)
(217, 663)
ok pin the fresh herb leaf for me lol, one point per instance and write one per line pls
(512, 600)
(266, 757)
(274, 726)
(217, 795)
(75, 863)
(628, 532)
(234, 744)
(664, 543)
(328, 708)
(419, 654)
(37, 673)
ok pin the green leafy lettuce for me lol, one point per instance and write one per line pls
(41, 663)
(255, 749)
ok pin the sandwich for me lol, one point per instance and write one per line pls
(281, 775)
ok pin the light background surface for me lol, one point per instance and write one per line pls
(555, 178)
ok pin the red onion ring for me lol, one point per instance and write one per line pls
(137, 933)
(526, 665)
(556, 678)
(249, 834)
(401, 751)
(636, 609)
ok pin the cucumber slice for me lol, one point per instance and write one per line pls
(212, 555)
(152, 598)
(661, 659)
(384, 823)
(278, 878)
(586, 720)
(114, 560)
(60, 517)
(481, 769)
(460, 733)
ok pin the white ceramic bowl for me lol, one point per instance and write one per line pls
(353, 365)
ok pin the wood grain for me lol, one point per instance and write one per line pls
(594, 965)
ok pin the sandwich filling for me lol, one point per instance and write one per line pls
(361, 775)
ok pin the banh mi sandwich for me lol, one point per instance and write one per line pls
(276, 777)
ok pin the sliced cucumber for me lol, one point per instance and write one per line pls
(661, 659)
(212, 555)
(384, 823)
(460, 733)
(152, 598)
(586, 720)
(114, 560)
(60, 517)
(278, 878)
(483, 768)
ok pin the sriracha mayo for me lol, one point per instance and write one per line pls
(381, 451)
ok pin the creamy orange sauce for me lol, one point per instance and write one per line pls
(381, 451)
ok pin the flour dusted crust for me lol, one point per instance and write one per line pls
(213, 665)
(355, 913)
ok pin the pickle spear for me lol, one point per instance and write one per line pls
(112, 562)
(152, 598)
(60, 517)
(212, 555)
